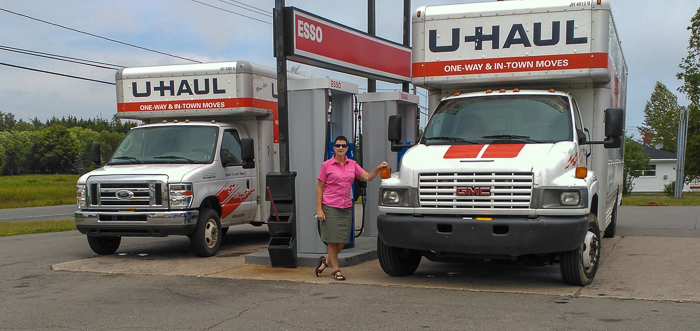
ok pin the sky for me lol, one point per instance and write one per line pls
(135, 33)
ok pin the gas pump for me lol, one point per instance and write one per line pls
(320, 109)
(376, 109)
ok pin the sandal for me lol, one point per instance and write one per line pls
(337, 275)
(322, 264)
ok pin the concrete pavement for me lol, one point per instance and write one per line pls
(654, 257)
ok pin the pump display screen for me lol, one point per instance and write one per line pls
(168, 144)
(501, 119)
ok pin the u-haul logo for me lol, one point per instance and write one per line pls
(516, 36)
(196, 86)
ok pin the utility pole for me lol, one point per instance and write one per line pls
(680, 155)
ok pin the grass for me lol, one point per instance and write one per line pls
(29, 227)
(660, 200)
(37, 190)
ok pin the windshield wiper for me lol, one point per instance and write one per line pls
(455, 139)
(174, 157)
(130, 158)
(511, 137)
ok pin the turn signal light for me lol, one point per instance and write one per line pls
(581, 172)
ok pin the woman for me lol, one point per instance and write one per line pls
(334, 204)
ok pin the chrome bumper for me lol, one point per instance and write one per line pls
(145, 224)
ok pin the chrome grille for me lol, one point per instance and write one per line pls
(508, 190)
(137, 194)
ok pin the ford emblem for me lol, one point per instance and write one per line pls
(124, 194)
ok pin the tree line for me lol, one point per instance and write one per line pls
(662, 114)
(56, 145)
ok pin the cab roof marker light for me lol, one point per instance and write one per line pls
(502, 90)
(552, 90)
(456, 94)
(516, 90)
(489, 91)
(581, 172)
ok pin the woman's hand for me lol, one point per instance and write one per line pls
(320, 216)
(383, 165)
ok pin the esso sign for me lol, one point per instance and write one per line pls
(308, 30)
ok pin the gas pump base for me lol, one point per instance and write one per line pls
(365, 249)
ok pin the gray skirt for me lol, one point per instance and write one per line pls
(338, 225)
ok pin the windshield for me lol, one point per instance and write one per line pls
(500, 119)
(167, 144)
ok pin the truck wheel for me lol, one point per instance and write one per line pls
(579, 266)
(206, 239)
(610, 230)
(104, 245)
(397, 261)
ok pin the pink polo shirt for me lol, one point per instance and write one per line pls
(338, 179)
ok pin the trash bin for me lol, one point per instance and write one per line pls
(283, 252)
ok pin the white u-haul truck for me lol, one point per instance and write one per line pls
(196, 167)
(521, 158)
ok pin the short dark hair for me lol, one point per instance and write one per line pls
(341, 138)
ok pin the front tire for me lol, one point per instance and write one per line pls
(104, 245)
(579, 266)
(206, 239)
(397, 261)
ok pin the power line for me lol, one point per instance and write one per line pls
(254, 10)
(95, 64)
(232, 12)
(96, 36)
(56, 73)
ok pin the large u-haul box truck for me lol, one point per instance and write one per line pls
(196, 167)
(521, 157)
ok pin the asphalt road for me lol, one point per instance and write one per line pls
(38, 213)
(35, 297)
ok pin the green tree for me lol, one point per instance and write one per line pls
(690, 76)
(2, 158)
(635, 162)
(55, 151)
(18, 147)
(85, 138)
(661, 115)
(7, 121)
(109, 141)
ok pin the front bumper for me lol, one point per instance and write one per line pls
(501, 236)
(136, 224)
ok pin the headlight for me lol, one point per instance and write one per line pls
(391, 197)
(180, 195)
(81, 192)
(398, 197)
(570, 198)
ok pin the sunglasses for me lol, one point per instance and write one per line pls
(341, 145)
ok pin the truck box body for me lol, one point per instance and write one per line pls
(513, 86)
(188, 158)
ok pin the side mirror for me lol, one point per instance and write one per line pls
(394, 129)
(614, 127)
(580, 136)
(248, 153)
(394, 134)
(96, 154)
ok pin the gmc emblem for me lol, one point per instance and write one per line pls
(473, 191)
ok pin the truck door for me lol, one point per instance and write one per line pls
(234, 197)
